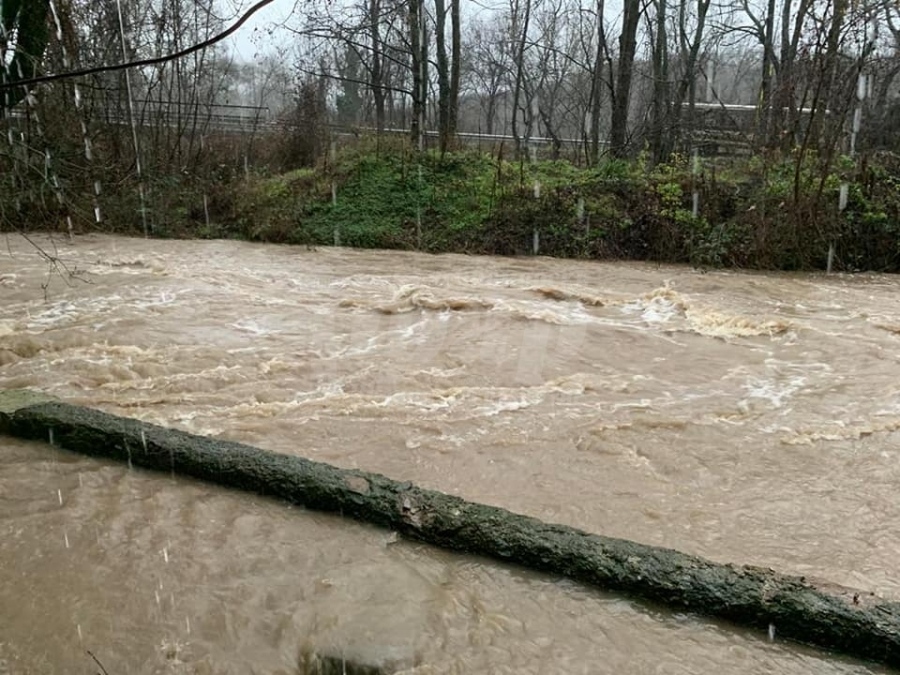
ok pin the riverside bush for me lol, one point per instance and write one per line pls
(770, 212)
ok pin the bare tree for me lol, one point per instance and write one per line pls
(490, 64)
(660, 142)
(520, 20)
(622, 95)
(455, 67)
(418, 60)
(443, 74)
(601, 54)
(690, 44)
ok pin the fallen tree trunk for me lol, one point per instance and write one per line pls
(827, 616)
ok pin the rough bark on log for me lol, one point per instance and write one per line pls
(835, 618)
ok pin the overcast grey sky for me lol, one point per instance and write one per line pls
(253, 38)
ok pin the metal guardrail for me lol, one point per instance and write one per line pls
(185, 115)
(253, 119)
(216, 121)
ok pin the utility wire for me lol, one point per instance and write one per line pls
(142, 62)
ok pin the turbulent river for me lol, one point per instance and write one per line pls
(743, 417)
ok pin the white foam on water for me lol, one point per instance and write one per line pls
(163, 299)
(57, 314)
(504, 406)
(66, 312)
(133, 266)
(365, 281)
(443, 372)
(252, 327)
(556, 313)
(659, 310)
(642, 404)
(386, 339)
(774, 391)
(425, 401)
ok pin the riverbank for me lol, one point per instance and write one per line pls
(777, 213)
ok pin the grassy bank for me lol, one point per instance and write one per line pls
(768, 213)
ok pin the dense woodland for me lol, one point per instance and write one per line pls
(693, 112)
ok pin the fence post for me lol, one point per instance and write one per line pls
(536, 236)
(419, 209)
(332, 160)
(695, 171)
(855, 128)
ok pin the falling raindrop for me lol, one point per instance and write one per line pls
(131, 117)
(59, 494)
(187, 624)
(128, 452)
(76, 95)
(50, 431)
(156, 594)
(165, 553)
(80, 637)
(66, 537)
(59, 32)
(771, 632)
(80, 480)
(49, 173)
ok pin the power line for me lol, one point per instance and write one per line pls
(142, 62)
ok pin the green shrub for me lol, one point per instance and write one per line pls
(772, 211)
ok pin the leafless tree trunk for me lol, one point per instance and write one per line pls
(443, 74)
(660, 141)
(690, 50)
(455, 67)
(376, 69)
(597, 83)
(521, 36)
(768, 75)
(788, 117)
(831, 97)
(618, 138)
(417, 65)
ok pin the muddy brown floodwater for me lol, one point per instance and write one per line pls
(743, 417)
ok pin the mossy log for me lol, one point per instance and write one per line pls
(835, 618)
